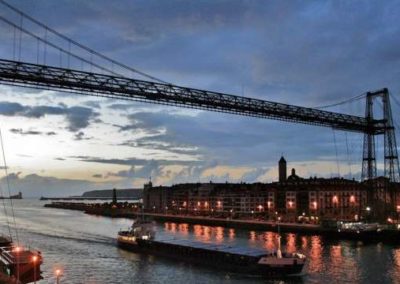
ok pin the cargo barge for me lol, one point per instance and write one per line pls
(140, 239)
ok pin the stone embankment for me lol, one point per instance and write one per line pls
(128, 210)
(131, 210)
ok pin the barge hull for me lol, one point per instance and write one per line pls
(221, 259)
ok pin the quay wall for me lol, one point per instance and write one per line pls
(131, 210)
(128, 212)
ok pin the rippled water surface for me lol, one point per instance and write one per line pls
(84, 248)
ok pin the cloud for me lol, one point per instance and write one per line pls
(35, 185)
(77, 117)
(31, 132)
(124, 173)
(128, 161)
(81, 136)
(307, 53)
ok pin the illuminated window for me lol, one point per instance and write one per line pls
(315, 204)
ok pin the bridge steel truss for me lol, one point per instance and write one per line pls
(67, 80)
(87, 83)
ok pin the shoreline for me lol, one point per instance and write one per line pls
(126, 211)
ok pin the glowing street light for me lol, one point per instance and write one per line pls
(58, 273)
(17, 250)
(34, 260)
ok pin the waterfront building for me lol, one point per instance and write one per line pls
(292, 198)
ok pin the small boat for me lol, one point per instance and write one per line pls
(141, 239)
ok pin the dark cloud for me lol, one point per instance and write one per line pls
(120, 106)
(124, 173)
(81, 136)
(77, 117)
(31, 132)
(129, 161)
(11, 109)
(97, 176)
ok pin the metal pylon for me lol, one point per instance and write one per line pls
(391, 160)
(369, 159)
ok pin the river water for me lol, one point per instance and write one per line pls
(84, 248)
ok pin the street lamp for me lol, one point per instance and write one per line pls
(34, 259)
(368, 209)
(58, 275)
(17, 250)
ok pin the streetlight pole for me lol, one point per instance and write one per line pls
(17, 249)
(58, 275)
(34, 259)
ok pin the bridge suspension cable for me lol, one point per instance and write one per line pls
(352, 99)
(73, 42)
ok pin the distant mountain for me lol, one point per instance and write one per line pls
(121, 193)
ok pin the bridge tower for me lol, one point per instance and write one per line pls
(391, 160)
(382, 194)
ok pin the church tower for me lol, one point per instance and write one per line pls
(282, 170)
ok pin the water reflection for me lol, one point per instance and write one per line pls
(315, 255)
(326, 259)
(219, 234)
(84, 246)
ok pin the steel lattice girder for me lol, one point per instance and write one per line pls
(67, 80)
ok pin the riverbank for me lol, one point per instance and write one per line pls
(130, 210)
